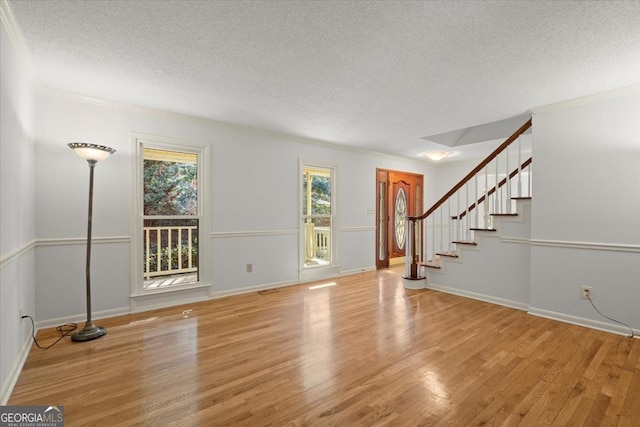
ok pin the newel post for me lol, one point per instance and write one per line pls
(412, 278)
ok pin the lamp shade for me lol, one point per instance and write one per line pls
(91, 152)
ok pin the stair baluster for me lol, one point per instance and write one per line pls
(450, 222)
(485, 203)
(520, 166)
(529, 178)
(507, 201)
(496, 197)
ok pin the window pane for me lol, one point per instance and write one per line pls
(170, 182)
(316, 191)
(170, 251)
(317, 241)
(401, 218)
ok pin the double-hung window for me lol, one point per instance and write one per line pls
(319, 243)
(170, 219)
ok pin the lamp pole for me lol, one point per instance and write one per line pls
(91, 153)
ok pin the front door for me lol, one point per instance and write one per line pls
(399, 195)
(399, 207)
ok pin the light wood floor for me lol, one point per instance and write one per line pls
(363, 352)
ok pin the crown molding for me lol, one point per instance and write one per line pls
(206, 121)
(589, 99)
(18, 42)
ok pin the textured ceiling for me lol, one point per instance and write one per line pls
(376, 75)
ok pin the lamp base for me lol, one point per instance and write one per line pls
(89, 332)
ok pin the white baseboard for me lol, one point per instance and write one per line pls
(481, 297)
(81, 318)
(582, 321)
(249, 289)
(14, 374)
(357, 270)
(561, 317)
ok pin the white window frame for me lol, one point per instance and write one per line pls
(333, 268)
(142, 299)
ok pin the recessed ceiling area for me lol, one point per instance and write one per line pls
(500, 129)
(374, 75)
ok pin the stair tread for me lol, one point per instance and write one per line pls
(464, 242)
(521, 198)
(430, 263)
(448, 254)
(482, 229)
(504, 214)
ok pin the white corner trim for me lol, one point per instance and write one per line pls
(83, 241)
(279, 232)
(254, 233)
(520, 240)
(17, 253)
(582, 321)
(481, 297)
(615, 247)
(14, 373)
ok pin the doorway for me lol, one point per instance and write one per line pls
(398, 195)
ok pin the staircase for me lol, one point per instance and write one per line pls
(466, 238)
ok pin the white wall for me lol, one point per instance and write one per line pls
(586, 219)
(16, 214)
(254, 193)
(497, 269)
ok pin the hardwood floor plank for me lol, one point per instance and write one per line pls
(631, 408)
(363, 352)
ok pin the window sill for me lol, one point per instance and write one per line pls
(309, 274)
(168, 297)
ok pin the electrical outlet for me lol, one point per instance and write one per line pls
(586, 292)
(21, 310)
(249, 268)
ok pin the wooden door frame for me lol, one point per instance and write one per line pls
(383, 184)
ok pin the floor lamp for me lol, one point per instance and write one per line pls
(92, 153)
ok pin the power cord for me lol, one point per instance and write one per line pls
(64, 330)
(607, 317)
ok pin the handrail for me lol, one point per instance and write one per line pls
(494, 189)
(477, 169)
